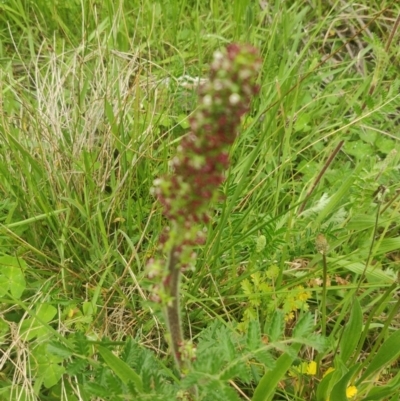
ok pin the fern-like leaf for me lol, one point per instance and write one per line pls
(80, 342)
(253, 338)
(304, 326)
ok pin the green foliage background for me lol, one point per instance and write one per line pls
(95, 97)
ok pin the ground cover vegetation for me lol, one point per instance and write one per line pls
(291, 290)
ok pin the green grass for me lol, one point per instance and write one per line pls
(95, 97)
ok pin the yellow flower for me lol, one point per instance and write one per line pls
(311, 368)
(289, 316)
(303, 295)
(351, 391)
(306, 368)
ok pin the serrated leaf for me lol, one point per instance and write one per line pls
(314, 341)
(369, 101)
(247, 287)
(238, 369)
(194, 378)
(351, 332)
(256, 278)
(97, 390)
(253, 337)
(128, 353)
(218, 390)
(229, 348)
(77, 366)
(264, 288)
(276, 327)
(80, 342)
(304, 326)
(265, 358)
(114, 385)
(58, 349)
(249, 314)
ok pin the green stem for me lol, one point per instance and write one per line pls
(323, 305)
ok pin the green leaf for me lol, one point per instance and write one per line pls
(304, 326)
(247, 287)
(374, 275)
(337, 197)
(325, 385)
(52, 374)
(56, 348)
(302, 122)
(265, 358)
(367, 136)
(4, 330)
(11, 276)
(183, 121)
(228, 347)
(339, 390)
(253, 337)
(358, 149)
(352, 332)
(269, 382)
(388, 245)
(361, 222)
(49, 368)
(46, 312)
(36, 326)
(385, 145)
(121, 369)
(379, 393)
(276, 327)
(388, 352)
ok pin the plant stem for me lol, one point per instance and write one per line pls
(323, 304)
(173, 316)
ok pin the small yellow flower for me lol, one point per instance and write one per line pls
(306, 368)
(289, 316)
(311, 368)
(304, 295)
(351, 391)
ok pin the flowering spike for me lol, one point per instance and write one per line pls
(198, 170)
(202, 157)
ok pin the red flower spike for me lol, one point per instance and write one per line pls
(202, 158)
